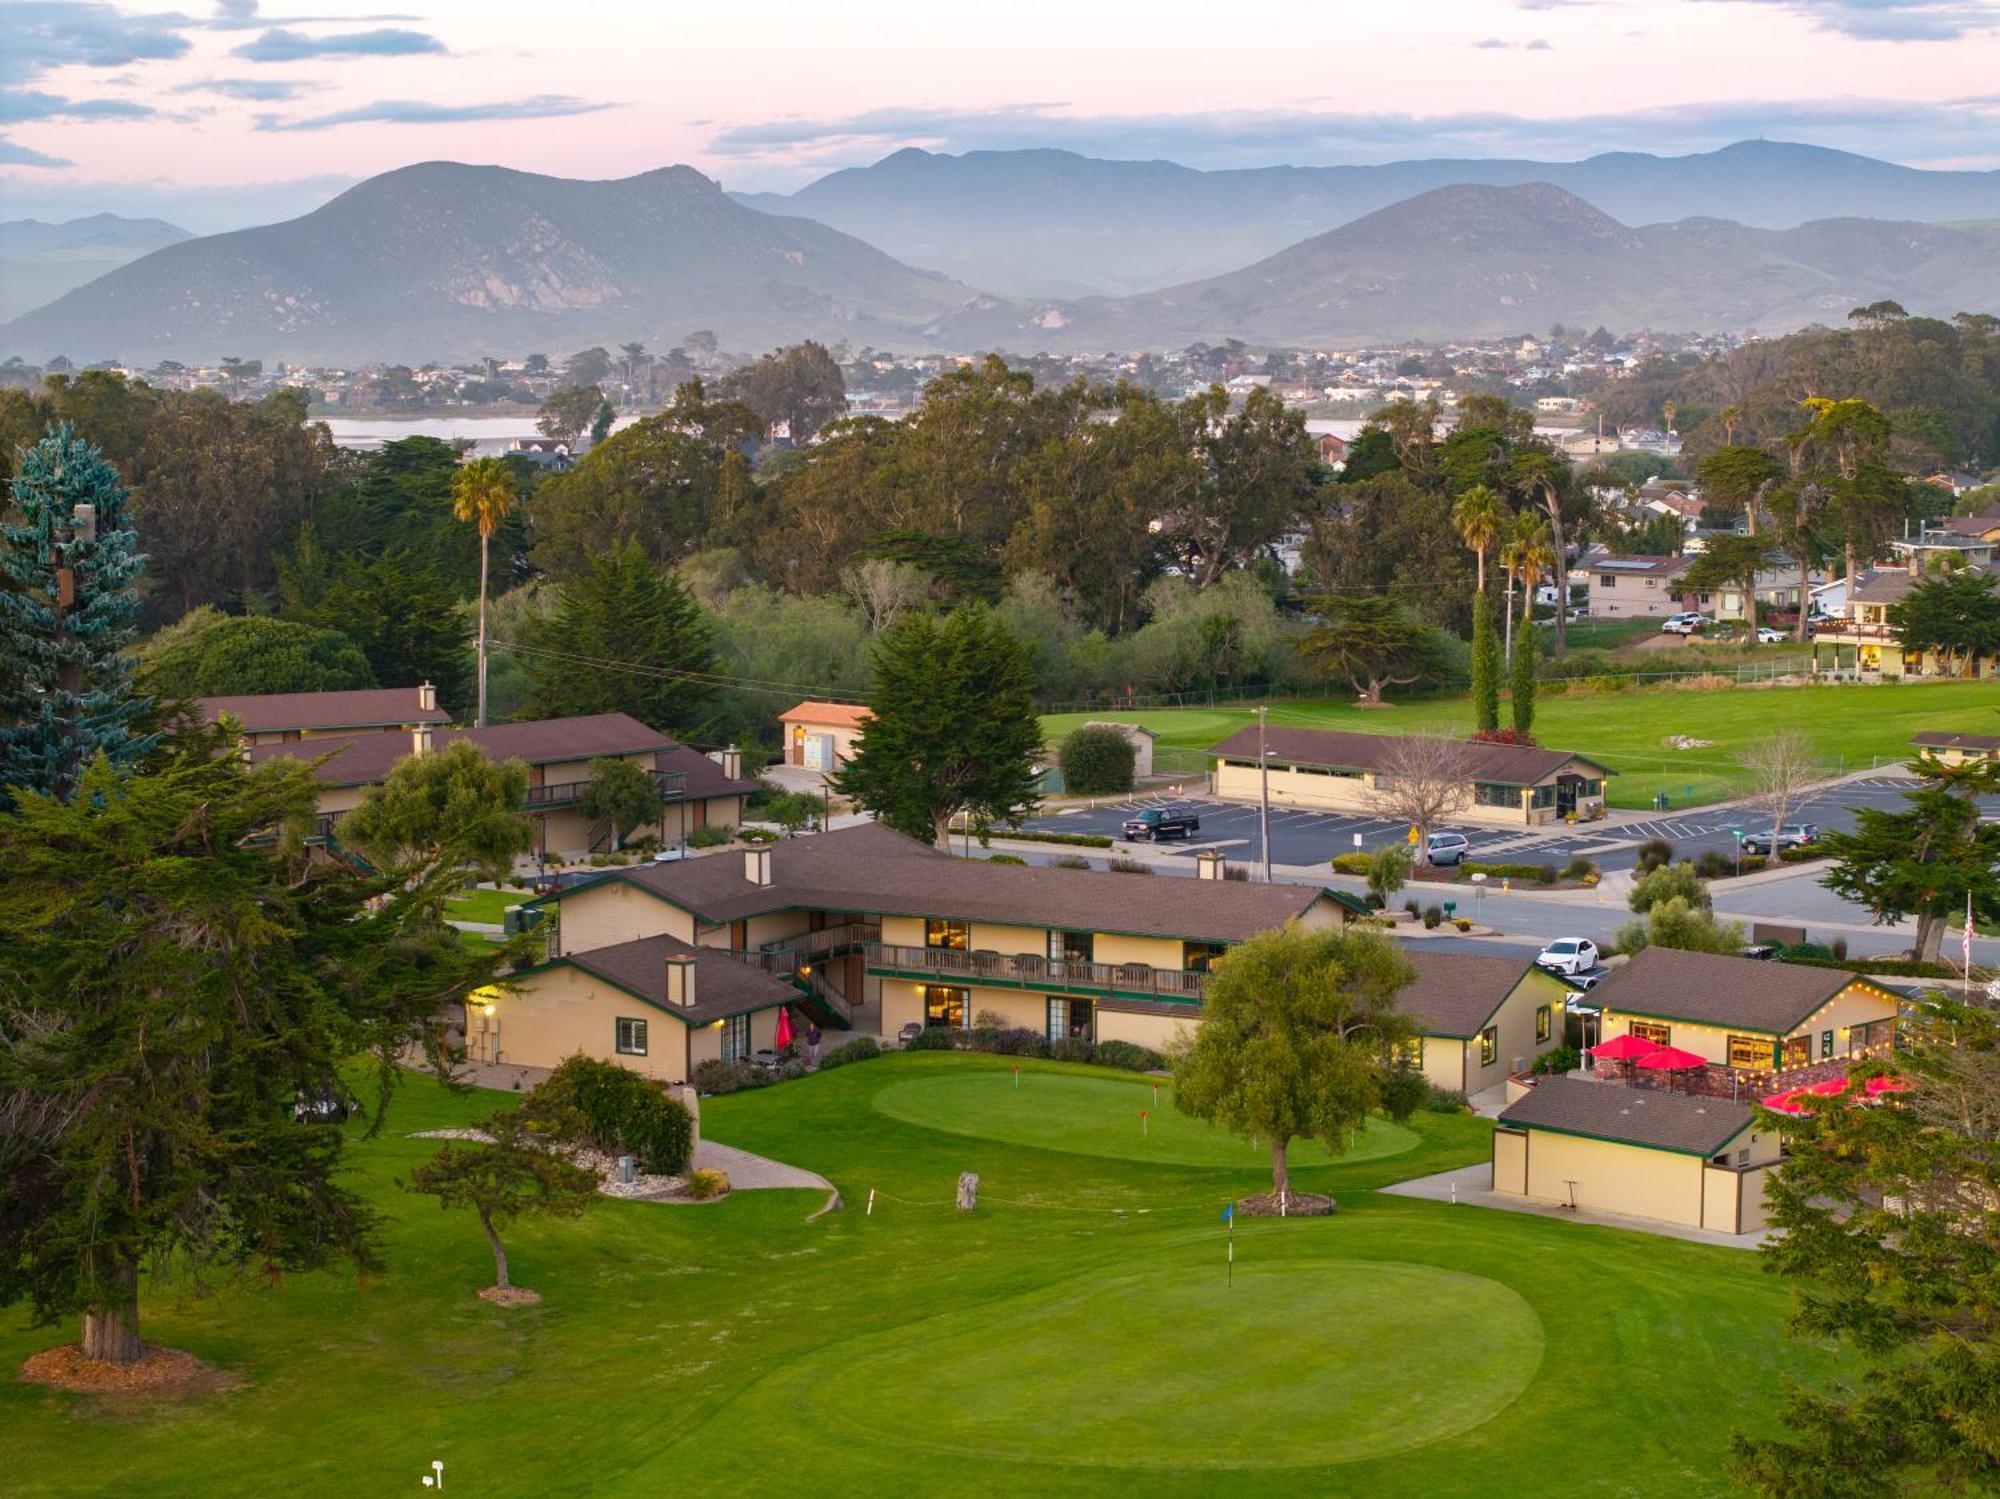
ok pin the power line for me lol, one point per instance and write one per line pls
(668, 673)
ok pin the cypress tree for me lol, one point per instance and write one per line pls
(1485, 666)
(67, 615)
(1521, 686)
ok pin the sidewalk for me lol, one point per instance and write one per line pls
(1473, 1186)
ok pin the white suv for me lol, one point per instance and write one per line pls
(1682, 624)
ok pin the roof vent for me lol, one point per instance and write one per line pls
(427, 698)
(732, 763)
(757, 864)
(420, 739)
(680, 980)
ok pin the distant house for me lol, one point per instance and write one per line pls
(698, 791)
(1509, 785)
(278, 717)
(544, 451)
(1332, 450)
(1141, 739)
(1693, 1161)
(822, 736)
(1863, 643)
(1982, 527)
(1636, 587)
(1483, 1018)
(1958, 749)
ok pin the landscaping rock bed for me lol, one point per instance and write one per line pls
(1293, 1205)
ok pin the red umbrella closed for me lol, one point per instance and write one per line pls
(1670, 1059)
(784, 1027)
(1624, 1048)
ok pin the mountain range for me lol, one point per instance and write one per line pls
(39, 262)
(447, 261)
(442, 260)
(1051, 223)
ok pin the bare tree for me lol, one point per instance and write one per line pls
(884, 590)
(1425, 779)
(1782, 767)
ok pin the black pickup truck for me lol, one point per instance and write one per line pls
(1156, 823)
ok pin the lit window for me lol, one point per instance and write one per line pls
(1489, 1046)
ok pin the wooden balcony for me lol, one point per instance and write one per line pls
(671, 784)
(995, 970)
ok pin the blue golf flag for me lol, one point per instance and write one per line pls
(1228, 1211)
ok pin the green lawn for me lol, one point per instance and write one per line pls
(484, 905)
(1080, 1334)
(1852, 726)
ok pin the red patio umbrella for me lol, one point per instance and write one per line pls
(1886, 1084)
(1670, 1059)
(1624, 1048)
(1827, 1087)
(784, 1027)
(1782, 1103)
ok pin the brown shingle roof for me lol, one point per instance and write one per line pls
(722, 985)
(363, 708)
(869, 868)
(1712, 989)
(1945, 739)
(364, 759)
(1503, 764)
(1456, 993)
(846, 715)
(1688, 1123)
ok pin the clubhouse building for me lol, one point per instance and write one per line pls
(1506, 785)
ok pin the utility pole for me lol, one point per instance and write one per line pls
(1264, 793)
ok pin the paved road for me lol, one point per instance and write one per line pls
(1307, 837)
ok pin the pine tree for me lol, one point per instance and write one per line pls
(1521, 686)
(67, 613)
(1485, 666)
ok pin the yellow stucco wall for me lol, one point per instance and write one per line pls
(1510, 1161)
(1143, 1030)
(1154, 952)
(615, 912)
(1357, 793)
(1611, 1177)
(903, 931)
(560, 1011)
(1443, 1063)
(988, 936)
(1854, 1005)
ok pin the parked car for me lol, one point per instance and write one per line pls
(1686, 623)
(321, 1105)
(1768, 636)
(1446, 849)
(1791, 835)
(1568, 955)
(1763, 952)
(1155, 823)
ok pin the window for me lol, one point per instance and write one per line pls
(1605, 580)
(1659, 1035)
(1491, 794)
(1544, 1021)
(1750, 1051)
(1825, 1045)
(736, 1038)
(1071, 947)
(954, 935)
(1489, 1046)
(944, 1005)
(1069, 1019)
(1545, 796)
(1743, 1156)
(631, 1038)
(1199, 957)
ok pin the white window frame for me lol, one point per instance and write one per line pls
(629, 1042)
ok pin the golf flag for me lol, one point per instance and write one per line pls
(1229, 1212)
(1965, 944)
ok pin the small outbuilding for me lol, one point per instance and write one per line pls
(1603, 1147)
(821, 736)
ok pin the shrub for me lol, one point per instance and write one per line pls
(1840, 947)
(982, 1037)
(1561, 1059)
(1353, 863)
(757, 835)
(1665, 882)
(988, 1020)
(1073, 1049)
(1547, 874)
(1463, 923)
(716, 1077)
(860, 1049)
(1388, 868)
(1006, 859)
(1653, 853)
(1433, 914)
(1503, 736)
(706, 1182)
(606, 861)
(1714, 864)
(934, 1038)
(1021, 1041)
(1578, 868)
(1514, 871)
(1074, 840)
(1096, 760)
(1795, 951)
(1445, 1101)
(1071, 862)
(712, 836)
(1237, 872)
(645, 845)
(1802, 855)
(624, 1113)
(1127, 866)
(1128, 1055)
(1413, 908)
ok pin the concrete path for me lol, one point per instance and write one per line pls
(1474, 1188)
(749, 1173)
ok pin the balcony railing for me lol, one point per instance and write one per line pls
(671, 784)
(1032, 971)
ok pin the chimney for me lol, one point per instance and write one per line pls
(757, 864)
(732, 766)
(1916, 563)
(680, 980)
(1208, 864)
(420, 739)
(427, 698)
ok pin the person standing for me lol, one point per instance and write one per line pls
(812, 1043)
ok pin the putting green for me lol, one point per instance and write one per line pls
(1295, 1364)
(1099, 1116)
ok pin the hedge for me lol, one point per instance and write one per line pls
(1077, 840)
(1892, 967)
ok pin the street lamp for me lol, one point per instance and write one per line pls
(1264, 792)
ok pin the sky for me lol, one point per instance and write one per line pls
(246, 111)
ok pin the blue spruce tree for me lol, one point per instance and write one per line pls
(68, 560)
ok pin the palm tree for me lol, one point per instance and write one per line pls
(1479, 515)
(1535, 556)
(482, 492)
